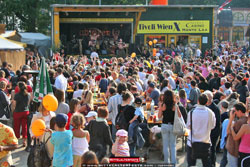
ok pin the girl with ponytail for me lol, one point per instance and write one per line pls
(21, 111)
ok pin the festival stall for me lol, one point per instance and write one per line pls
(12, 53)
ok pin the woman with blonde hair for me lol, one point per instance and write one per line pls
(87, 95)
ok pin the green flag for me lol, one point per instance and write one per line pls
(43, 85)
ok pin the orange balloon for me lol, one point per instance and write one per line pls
(155, 41)
(38, 127)
(154, 52)
(150, 43)
(50, 102)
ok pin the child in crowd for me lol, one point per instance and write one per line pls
(224, 111)
(183, 97)
(121, 148)
(91, 116)
(74, 105)
(81, 139)
(134, 122)
(90, 158)
(62, 141)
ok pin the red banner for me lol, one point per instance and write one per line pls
(124, 160)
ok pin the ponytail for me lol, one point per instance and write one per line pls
(23, 88)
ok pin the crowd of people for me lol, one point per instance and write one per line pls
(209, 90)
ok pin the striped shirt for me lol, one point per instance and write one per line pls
(122, 150)
(113, 103)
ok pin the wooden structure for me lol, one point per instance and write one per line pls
(12, 53)
(2, 28)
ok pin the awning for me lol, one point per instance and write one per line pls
(16, 42)
(7, 45)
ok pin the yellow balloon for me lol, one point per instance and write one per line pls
(38, 127)
(150, 43)
(155, 41)
(50, 102)
(133, 54)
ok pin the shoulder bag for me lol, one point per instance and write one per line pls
(4, 106)
(179, 127)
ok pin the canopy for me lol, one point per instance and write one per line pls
(16, 42)
(8, 45)
(40, 41)
(36, 39)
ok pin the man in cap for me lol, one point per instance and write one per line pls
(91, 116)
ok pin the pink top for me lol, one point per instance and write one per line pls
(245, 144)
(205, 71)
(122, 150)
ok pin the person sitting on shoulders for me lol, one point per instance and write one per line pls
(139, 115)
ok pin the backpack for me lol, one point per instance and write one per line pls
(37, 151)
(4, 106)
(120, 120)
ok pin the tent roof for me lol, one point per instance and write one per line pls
(9, 33)
(36, 39)
(16, 42)
(32, 35)
(7, 45)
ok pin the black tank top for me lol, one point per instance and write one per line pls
(168, 116)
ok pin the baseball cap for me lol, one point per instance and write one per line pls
(91, 114)
(121, 132)
(152, 85)
(138, 100)
(61, 118)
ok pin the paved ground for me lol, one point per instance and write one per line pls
(20, 156)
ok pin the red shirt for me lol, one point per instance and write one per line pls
(98, 78)
(69, 117)
(29, 89)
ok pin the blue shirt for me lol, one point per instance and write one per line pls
(224, 133)
(139, 112)
(62, 141)
(188, 90)
(155, 94)
(103, 85)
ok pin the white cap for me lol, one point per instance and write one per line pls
(91, 114)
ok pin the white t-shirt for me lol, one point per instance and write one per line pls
(77, 93)
(61, 82)
(142, 75)
(198, 52)
(156, 62)
(94, 55)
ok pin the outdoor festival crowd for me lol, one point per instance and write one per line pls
(106, 106)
